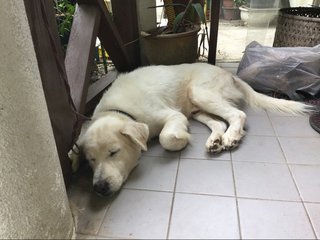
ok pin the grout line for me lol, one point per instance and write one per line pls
(294, 181)
(173, 197)
(106, 211)
(147, 190)
(303, 203)
(207, 159)
(271, 200)
(206, 194)
(236, 197)
(277, 163)
(262, 162)
(226, 196)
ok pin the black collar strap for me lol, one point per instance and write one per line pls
(122, 112)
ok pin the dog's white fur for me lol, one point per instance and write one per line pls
(161, 99)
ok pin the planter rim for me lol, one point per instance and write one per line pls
(245, 8)
(230, 7)
(174, 35)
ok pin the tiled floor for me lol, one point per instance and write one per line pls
(267, 188)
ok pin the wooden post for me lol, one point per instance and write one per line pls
(128, 27)
(43, 26)
(215, 12)
(79, 56)
(110, 38)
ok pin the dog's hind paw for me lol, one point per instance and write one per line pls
(230, 143)
(214, 145)
(234, 144)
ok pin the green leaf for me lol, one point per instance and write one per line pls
(177, 21)
(199, 9)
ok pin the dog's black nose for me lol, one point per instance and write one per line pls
(102, 188)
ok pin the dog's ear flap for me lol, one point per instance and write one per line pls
(138, 133)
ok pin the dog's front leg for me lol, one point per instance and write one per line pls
(174, 135)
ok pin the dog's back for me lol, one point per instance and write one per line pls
(149, 92)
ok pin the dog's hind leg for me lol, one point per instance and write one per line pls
(174, 136)
(218, 128)
(217, 105)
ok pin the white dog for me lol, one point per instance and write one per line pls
(157, 101)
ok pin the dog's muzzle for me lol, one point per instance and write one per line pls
(102, 188)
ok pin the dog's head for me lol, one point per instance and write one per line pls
(112, 146)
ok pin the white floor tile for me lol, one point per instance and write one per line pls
(293, 126)
(259, 125)
(84, 236)
(301, 150)
(265, 181)
(278, 114)
(203, 217)
(197, 127)
(260, 171)
(154, 173)
(88, 208)
(259, 149)
(261, 219)
(204, 176)
(308, 181)
(197, 149)
(138, 214)
(314, 213)
(255, 112)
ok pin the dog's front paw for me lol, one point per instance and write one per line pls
(174, 141)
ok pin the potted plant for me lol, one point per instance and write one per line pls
(260, 13)
(230, 9)
(178, 41)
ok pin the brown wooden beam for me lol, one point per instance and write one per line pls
(110, 38)
(79, 56)
(44, 31)
(128, 27)
(214, 24)
(97, 89)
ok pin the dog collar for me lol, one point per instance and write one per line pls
(122, 112)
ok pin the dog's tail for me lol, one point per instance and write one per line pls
(258, 100)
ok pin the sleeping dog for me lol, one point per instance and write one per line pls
(156, 101)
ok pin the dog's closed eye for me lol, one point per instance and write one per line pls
(113, 152)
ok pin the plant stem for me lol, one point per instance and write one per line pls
(184, 14)
(171, 15)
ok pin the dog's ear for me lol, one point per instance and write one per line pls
(138, 133)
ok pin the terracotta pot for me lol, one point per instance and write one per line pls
(228, 3)
(232, 13)
(168, 49)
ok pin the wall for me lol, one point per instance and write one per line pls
(33, 200)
